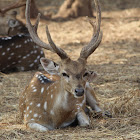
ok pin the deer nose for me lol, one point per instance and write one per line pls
(79, 91)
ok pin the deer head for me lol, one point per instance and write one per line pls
(73, 73)
(16, 27)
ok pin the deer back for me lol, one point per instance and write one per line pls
(19, 53)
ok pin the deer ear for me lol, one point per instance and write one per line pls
(90, 76)
(12, 23)
(49, 66)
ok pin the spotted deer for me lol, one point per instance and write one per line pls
(18, 52)
(56, 98)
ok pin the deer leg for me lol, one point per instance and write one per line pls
(37, 127)
(91, 99)
(83, 119)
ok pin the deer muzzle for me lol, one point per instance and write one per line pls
(79, 92)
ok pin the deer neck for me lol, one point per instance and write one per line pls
(66, 100)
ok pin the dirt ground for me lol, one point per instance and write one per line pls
(117, 62)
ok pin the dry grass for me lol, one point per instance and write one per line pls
(117, 61)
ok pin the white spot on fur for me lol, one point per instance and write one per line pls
(27, 55)
(8, 49)
(8, 66)
(52, 112)
(14, 63)
(42, 89)
(35, 51)
(9, 58)
(30, 111)
(31, 103)
(45, 106)
(24, 57)
(35, 115)
(41, 52)
(34, 90)
(51, 96)
(9, 37)
(38, 105)
(27, 107)
(31, 65)
(12, 53)
(78, 108)
(33, 87)
(31, 52)
(35, 61)
(3, 53)
(19, 56)
(38, 57)
(12, 44)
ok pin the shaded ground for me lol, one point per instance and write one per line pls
(117, 62)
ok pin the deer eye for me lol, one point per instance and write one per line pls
(65, 75)
(86, 74)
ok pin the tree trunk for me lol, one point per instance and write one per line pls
(75, 8)
(22, 3)
(33, 10)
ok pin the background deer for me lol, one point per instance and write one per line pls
(18, 52)
(54, 99)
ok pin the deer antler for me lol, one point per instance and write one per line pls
(57, 50)
(33, 32)
(13, 6)
(97, 35)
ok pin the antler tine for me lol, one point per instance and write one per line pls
(97, 35)
(37, 22)
(59, 51)
(92, 24)
(33, 29)
(33, 32)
